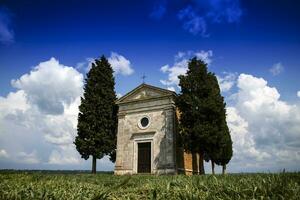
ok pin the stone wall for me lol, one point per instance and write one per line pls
(160, 132)
(187, 163)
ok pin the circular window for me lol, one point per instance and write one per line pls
(144, 122)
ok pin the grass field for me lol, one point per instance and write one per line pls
(72, 185)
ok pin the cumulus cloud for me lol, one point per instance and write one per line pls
(180, 66)
(50, 85)
(276, 69)
(227, 81)
(120, 64)
(13, 102)
(264, 128)
(298, 94)
(6, 31)
(243, 142)
(196, 15)
(37, 135)
(203, 55)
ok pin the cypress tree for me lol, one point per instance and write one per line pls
(219, 146)
(97, 125)
(203, 119)
(194, 126)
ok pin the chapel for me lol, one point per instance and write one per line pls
(148, 140)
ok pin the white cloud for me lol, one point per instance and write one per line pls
(50, 85)
(171, 89)
(264, 129)
(119, 95)
(298, 94)
(3, 153)
(180, 65)
(120, 64)
(37, 135)
(276, 69)
(205, 56)
(164, 68)
(227, 81)
(179, 68)
(243, 141)
(85, 65)
(14, 101)
(254, 95)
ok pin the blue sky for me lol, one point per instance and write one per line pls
(252, 46)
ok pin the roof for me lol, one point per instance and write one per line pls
(145, 91)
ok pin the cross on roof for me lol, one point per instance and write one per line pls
(143, 77)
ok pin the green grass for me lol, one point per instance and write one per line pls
(72, 185)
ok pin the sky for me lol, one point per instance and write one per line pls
(47, 47)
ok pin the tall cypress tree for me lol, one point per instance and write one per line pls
(203, 120)
(192, 103)
(96, 127)
(219, 145)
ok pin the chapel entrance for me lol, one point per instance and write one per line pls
(144, 157)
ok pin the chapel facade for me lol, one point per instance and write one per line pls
(148, 140)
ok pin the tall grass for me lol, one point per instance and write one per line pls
(41, 185)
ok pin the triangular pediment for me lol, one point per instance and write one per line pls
(143, 92)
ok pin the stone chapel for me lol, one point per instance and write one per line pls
(147, 138)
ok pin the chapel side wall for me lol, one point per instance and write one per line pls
(187, 163)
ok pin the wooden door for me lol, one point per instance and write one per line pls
(144, 157)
